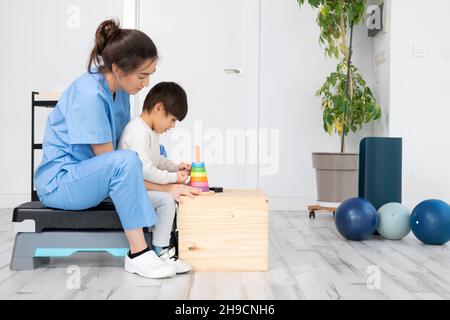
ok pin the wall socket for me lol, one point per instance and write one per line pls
(380, 58)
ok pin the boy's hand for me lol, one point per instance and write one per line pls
(184, 166)
(178, 190)
(182, 176)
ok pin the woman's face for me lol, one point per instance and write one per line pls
(138, 79)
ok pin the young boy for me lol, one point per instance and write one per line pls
(164, 105)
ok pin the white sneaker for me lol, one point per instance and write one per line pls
(148, 265)
(169, 257)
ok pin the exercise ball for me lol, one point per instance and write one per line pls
(356, 219)
(393, 221)
(430, 222)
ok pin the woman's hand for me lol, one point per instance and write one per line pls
(178, 190)
(175, 189)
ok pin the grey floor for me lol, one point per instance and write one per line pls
(308, 260)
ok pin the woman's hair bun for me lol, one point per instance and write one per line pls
(107, 30)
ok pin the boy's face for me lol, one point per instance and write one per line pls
(163, 121)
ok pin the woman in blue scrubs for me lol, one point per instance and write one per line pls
(80, 167)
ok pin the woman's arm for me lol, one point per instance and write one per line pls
(150, 186)
(175, 189)
(99, 149)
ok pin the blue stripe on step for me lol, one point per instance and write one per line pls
(66, 252)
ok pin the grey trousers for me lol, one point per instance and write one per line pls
(165, 207)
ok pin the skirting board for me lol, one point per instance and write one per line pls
(290, 203)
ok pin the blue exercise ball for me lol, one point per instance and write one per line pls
(356, 219)
(430, 222)
(393, 221)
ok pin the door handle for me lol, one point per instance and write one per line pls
(233, 71)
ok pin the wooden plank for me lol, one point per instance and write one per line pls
(203, 286)
(176, 288)
(229, 286)
(256, 286)
(321, 208)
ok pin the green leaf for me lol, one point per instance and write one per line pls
(338, 109)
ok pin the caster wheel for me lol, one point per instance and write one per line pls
(312, 214)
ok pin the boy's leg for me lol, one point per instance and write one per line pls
(163, 231)
(164, 205)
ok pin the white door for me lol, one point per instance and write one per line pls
(203, 46)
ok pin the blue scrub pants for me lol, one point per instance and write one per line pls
(116, 174)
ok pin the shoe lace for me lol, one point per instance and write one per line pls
(170, 254)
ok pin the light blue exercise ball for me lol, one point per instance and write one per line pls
(393, 221)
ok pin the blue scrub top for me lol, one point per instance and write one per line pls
(85, 114)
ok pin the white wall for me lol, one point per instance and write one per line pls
(40, 51)
(293, 68)
(382, 72)
(420, 97)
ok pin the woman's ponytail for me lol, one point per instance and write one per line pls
(127, 48)
(105, 32)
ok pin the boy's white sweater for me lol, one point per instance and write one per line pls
(139, 137)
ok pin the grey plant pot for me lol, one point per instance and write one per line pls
(336, 176)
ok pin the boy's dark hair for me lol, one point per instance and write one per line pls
(171, 95)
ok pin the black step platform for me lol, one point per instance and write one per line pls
(102, 217)
(43, 233)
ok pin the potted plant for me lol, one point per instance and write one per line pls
(346, 100)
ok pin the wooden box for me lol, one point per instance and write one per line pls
(225, 231)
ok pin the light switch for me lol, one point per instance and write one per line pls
(380, 58)
(420, 50)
